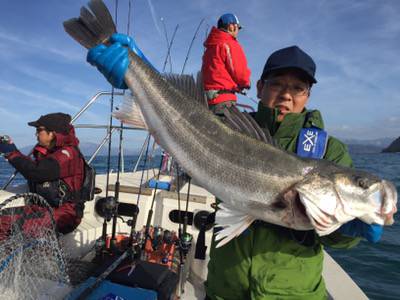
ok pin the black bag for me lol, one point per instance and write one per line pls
(89, 180)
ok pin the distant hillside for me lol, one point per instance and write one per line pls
(367, 146)
(354, 145)
(88, 149)
(393, 147)
(363, 149)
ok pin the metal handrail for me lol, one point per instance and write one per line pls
(106, 138)
(91, 101)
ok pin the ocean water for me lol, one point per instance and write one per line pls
(374, 267)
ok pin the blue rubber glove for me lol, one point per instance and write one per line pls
(113, 61)
(357, 228)
(7, 147)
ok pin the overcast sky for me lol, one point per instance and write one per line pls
(355, 45)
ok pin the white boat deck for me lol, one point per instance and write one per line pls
(80, 242)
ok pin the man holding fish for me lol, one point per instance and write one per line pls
(281, 219)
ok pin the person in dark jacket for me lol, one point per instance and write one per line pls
(224, 68)
(56, 173)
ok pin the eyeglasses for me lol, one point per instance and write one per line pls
(296, 90)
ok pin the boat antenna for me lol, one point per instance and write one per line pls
(191, 44)
(169, 45)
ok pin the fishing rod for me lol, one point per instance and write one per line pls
(178, 188)
(169, 45)
(185, 218)
(150, 215)
(206, 33)
(191, 44)
(186, 238)
(167, 41)
(117, 188)
(136, 212)
(117, 183)
(109, 132)
(91, 287)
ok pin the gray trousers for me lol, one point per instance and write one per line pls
(218, 109)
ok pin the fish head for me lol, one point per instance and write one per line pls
(336, 196)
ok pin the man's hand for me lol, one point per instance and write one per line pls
(113, 61)
(357, 228)
(6, 146)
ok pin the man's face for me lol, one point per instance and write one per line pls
(44, 137)
(233, 29)
(287, 92)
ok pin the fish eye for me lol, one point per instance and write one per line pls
(363, 182)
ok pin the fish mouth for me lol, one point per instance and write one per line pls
(323, 222)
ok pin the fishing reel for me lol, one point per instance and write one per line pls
(106, 207)
(185, 243)
(160, 246)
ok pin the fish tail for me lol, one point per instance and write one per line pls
(94, 25)
(233, 223)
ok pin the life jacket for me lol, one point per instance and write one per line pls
(68, 187)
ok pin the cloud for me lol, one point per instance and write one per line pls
(42, 100)
(154, 16)
(8, 113)
(14, 45)
(64, 84)
(375, 129)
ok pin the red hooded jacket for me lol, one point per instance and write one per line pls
(61, 162)
(224, 66)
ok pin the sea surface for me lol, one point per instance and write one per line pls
(374, 267)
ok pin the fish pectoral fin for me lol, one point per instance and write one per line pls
(130, 113)
(233, 223)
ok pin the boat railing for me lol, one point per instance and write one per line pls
(110, 130)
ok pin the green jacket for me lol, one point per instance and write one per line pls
(269, 261)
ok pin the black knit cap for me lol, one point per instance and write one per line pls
(290, 57)
(58, 122)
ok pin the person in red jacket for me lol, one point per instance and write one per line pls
(224, 68)
(56, 173)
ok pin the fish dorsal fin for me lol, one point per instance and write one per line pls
(187, 85)
(129, 112)
(244, 123)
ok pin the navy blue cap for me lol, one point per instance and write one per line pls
(227, 19)
(290, 57)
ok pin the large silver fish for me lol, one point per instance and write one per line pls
(255, 180)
